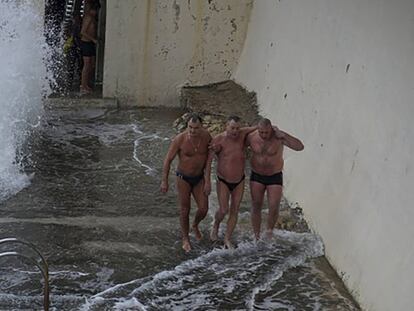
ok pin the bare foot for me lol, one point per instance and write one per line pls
(197, 233)
(257, 238)
(228, 244)
(214, 233)
(186, 246)
(269, 234)
(85, 90)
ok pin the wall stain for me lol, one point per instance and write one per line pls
(176, 8)
(233, 25)
(197, 60)
(214, 7)
(347, 68)
(146, 75)
(205, 22)
(353, 161)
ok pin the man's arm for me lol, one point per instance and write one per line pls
(249, 138)
(247, 130)
(290, 141)
(207, 173)
(85, 26)
(214, 148)
(172, 152)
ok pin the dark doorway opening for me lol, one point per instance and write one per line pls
(65, 63)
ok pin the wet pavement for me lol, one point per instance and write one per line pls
(112, 240)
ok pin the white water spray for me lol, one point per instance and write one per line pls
(23, 84)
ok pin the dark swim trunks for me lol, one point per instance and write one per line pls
(230, 185)
(276, 179)
(191, 180)
(88, 48)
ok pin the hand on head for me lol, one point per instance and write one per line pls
(278, 133)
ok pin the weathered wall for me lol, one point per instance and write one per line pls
(339, 75)
(155, 46)
(41, 5)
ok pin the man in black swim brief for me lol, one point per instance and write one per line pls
(266, 145)
(275, 179)
(191, 180)
(231, 185)
(191, 146)
(88, 42)
(88, 48)
(229, 148)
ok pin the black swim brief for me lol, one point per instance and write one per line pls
(276, 179)
(191, 180)
(230, 185)
(88, 48)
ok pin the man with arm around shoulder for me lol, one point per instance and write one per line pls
(266, 144)
(229, 149)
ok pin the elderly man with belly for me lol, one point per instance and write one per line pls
(266, 144)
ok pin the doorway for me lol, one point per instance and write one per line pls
(59, 16)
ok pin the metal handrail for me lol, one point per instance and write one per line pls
(44, 270)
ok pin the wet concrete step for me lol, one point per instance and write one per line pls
(81, 102)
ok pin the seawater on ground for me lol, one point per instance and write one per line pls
(113, 242)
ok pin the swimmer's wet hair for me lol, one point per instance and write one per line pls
(233, 118)
(194, 117)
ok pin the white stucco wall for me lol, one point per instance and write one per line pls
(155, 46)
(340, 76)
(41, 5)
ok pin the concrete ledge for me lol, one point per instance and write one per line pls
(81, 102)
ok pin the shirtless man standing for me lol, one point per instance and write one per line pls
(229, 147)
(191, 146)
(88, 47)
(266, 144)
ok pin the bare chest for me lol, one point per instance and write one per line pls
(267, 148)
(194, 147)
(231, 147)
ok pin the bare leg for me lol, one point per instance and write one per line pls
(257, 191)
(87, 63)
(236, 197)
(223, 195)
(92, 71)
(184, 198)
(202, 208)
(274, 195)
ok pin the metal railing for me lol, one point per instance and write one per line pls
(42, 266)
(71, 7)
